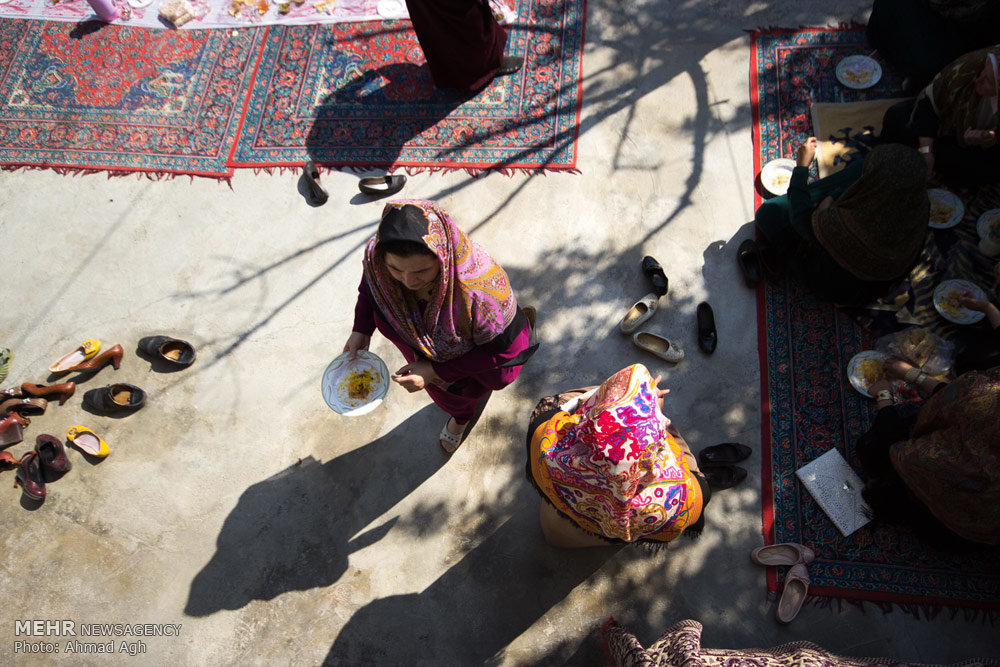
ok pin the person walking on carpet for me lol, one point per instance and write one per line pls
(462, 42)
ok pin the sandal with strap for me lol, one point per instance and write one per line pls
(450, 441)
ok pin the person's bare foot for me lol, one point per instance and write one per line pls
(897, 368)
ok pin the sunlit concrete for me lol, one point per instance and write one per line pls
(237, 505)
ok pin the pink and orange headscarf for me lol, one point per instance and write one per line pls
(472, 303)
(612, 467)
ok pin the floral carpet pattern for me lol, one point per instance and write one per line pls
(86, 97)
(90, 96)
(360, 95)
(805, 344)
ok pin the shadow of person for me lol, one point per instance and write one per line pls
(373, 95)
(292, 531)
(478, 607)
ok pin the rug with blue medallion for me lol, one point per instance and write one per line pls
(360, 95)
(95, 97)
(805, 344)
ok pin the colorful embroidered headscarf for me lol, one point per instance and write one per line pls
(875, 230)
(952, 460)
(612, 467)
(954, 96)
(472, 302)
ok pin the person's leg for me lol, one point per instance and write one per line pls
(966, 166)
(461, 40)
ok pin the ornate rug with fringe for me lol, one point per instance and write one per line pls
(804, 344)
(360, 96)
(119, 99)
(92, 97)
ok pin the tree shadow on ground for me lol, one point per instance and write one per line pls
(292, 531)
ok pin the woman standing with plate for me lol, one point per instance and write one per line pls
(448, 307)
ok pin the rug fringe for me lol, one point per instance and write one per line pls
(773, 30)
(114, 173)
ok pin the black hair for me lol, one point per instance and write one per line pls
(402, 248)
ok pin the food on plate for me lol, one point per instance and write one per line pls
(359, 383)
(870, 371)
(941, 211)
(916, 346)
(858, 76)
(949, 304)
(780, 180)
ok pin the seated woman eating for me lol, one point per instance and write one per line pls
(448, 308)
(954, 121)
(611, 468)
(850, 235)
(936, 468)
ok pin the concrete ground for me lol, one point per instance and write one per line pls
(272, 530)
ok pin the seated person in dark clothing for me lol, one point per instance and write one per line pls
(850, 235)
(936, 469)
(954, 121)
(920, 37)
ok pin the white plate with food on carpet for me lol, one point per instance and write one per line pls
(947, 210)
(859, 72)
(776, 174)
(865, 369)
(987, 221)
(946, 301)
(356, 387)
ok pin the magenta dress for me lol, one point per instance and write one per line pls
(472, 375)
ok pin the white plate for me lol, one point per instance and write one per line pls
(947, 201)
(390, 9)
(947, 291)
(987, 221)
(776, 174)
(138, 4)
(335, 386)
(854, 369)
(858, 72)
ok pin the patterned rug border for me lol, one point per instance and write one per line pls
(916, 605)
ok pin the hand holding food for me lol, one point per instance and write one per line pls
(416, 376)
(356, 341)
(807, 151)
(966, 300)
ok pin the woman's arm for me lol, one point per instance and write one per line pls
(799, 199)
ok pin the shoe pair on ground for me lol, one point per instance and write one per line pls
(756, 261)
(643, 309)
(796, 586)
(47, 462)
(717, 464)
(375, 186)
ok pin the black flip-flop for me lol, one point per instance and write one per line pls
(316, 191)
(389, 184)
(748, 256)
(656, 276)
(708, 337)
(724, 453)
(723, 476)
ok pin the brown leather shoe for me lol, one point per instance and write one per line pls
(63, 390)
(94, 364)
(51, 456)
(25, 406)
(29, 474)
(11, 429)
(13, 392)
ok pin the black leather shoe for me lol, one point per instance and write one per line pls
(173, 350)
(724, 453)
(656, 276)
(748, 257)
(708, 337)
(723, 476)
(510, 65)
(52, 456)
(317, 192)
(380, 186)
(114, 398)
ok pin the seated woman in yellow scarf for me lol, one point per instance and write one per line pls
(954, 120)
(936, 468)
(611, 468)
(850, 235)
